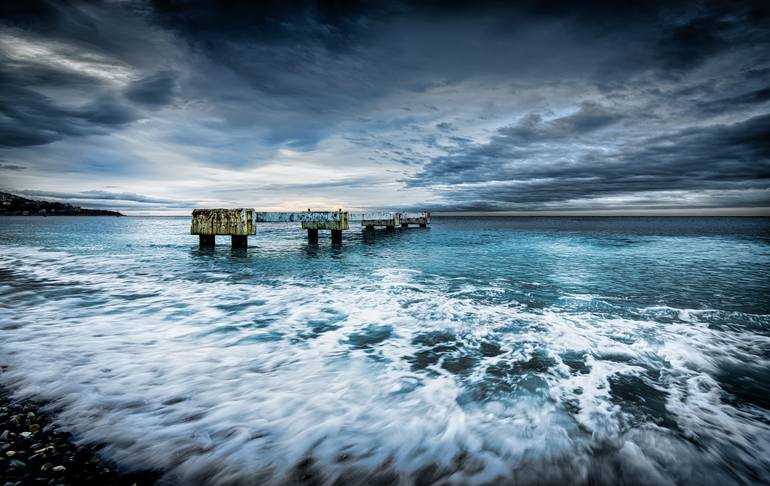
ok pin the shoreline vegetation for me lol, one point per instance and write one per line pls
(33, 450)
(13, 205)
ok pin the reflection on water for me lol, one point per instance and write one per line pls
(518, 350)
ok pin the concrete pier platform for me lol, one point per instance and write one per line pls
(340, 217)
(312, 221)
(237, 223)
(379, 219)
(421, 218)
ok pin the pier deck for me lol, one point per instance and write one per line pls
(421, 218)
(237, 223)
(387, 219)
(241, 222)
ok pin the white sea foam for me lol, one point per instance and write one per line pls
(220, 381)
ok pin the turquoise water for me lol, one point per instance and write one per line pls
(526, 350)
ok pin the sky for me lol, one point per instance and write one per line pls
(156, 107)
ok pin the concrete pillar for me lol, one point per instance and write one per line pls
(206, 240)
(337, 237)
(404, 225)
(423, 225)
(369, 228)
(390, 228)
(239, 241)
(312, 236)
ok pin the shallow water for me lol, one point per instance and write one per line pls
(527, 350)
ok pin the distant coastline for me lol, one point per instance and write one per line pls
(13, 205)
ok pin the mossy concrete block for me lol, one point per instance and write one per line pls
(238, 222)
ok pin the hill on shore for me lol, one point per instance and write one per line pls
(12, 205)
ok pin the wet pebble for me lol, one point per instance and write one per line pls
(34, 451)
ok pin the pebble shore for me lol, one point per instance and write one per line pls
(34, 451)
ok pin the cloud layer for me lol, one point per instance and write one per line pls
(393, 104)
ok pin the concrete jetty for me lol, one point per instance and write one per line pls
(386, 219)
(312, 221)
(241, 222)
(421, 218)
(237, 223)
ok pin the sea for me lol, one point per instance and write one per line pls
(530, 350)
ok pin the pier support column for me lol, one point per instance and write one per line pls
(390, 228)
(369, 228)
(239, 241)
(404, 225)
(423, 225)
(312, 236)
(206, 240)
(337, 237)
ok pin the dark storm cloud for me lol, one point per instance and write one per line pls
(686, 46)
(532, 129)
(512, 151)
(201, 20)
(11, 167)
(31, 118)
(106, 195)
(306, 70)
(59, 64)
(153, 91)
(717, 157)
(291, 69)
(741, 101)
(487, 104)
(15, 73)
(32, 14)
